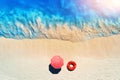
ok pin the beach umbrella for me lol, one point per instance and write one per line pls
(57, 62)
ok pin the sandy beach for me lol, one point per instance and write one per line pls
(28, 59)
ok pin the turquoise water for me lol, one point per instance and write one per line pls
(21, 19)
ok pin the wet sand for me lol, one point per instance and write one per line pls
(97, 59)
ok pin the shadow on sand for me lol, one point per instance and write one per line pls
(53, 70)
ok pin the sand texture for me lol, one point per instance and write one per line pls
(97, 59)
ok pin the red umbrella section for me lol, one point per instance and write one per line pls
(57, 62)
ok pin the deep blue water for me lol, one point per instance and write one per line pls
(68, 10)
(73, 12)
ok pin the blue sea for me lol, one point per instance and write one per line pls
(21, 19)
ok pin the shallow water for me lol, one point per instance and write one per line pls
(59, 19)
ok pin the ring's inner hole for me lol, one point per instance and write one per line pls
(71, 65)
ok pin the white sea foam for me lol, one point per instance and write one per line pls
(36, 25)
(65, 32)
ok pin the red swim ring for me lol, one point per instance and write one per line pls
(71, 65)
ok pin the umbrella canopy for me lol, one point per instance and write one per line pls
(57, 62)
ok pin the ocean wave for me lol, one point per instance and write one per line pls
(33, 24)
(51, 22)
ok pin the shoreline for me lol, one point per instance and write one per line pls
(98, 47)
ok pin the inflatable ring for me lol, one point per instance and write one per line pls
(71, 65)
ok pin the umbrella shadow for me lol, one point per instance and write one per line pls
(53, 70)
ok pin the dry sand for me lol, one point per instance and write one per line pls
(97, 59)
